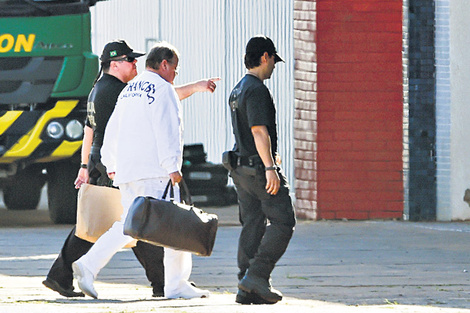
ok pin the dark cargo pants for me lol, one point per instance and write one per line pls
(267, 222)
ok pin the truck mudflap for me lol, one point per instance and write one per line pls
(40, 136)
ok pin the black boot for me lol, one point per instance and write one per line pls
(261, 287)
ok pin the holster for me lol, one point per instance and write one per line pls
(229, 160)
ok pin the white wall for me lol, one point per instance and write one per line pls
(460, 110)
(452, 109)
(211, 36)
(443, 116)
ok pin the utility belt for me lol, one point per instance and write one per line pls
(248, 164)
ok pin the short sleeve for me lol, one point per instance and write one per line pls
(258, 107)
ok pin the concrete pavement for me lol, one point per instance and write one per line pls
(330, 266)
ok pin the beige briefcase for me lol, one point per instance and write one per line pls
(98, 207)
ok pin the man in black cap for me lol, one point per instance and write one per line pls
(266, 212)
(118, 64)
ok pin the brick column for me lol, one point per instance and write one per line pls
(305, 120)
(348, 109)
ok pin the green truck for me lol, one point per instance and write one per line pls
(47, 69)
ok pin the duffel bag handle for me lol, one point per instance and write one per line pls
(169, 186)
(183, 186)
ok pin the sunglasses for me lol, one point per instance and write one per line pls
(127, 59)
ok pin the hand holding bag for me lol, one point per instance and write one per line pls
(171, 224)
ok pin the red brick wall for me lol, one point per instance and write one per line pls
(348, 109)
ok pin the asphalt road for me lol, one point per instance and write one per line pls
(330, 266)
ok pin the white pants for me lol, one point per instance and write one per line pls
(178, 264)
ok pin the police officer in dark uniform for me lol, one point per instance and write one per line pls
(118, 63)
(266, 211)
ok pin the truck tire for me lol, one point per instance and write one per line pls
(61, 192)
(24, 190)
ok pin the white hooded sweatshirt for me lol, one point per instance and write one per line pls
(144, 135)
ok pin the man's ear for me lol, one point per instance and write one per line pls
(164, 64)
(264, 57)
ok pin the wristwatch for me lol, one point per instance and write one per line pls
(83, 165)
(271, 168)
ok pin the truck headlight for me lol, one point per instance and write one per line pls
(55, 130)
(74, 130)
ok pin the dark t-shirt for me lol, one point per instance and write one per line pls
(101, 103)
(252, 104)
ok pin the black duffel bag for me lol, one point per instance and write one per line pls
(172, 224)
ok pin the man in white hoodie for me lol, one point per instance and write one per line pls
(142, 150)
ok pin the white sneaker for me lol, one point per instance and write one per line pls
(85, 279)
(189, 292)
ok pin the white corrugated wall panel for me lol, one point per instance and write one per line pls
(211, 36)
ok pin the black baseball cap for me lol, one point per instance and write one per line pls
(260, 44)
(118, 48)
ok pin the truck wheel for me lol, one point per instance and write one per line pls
(24, 190)
(61, 192)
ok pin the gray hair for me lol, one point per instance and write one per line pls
(159, 52)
